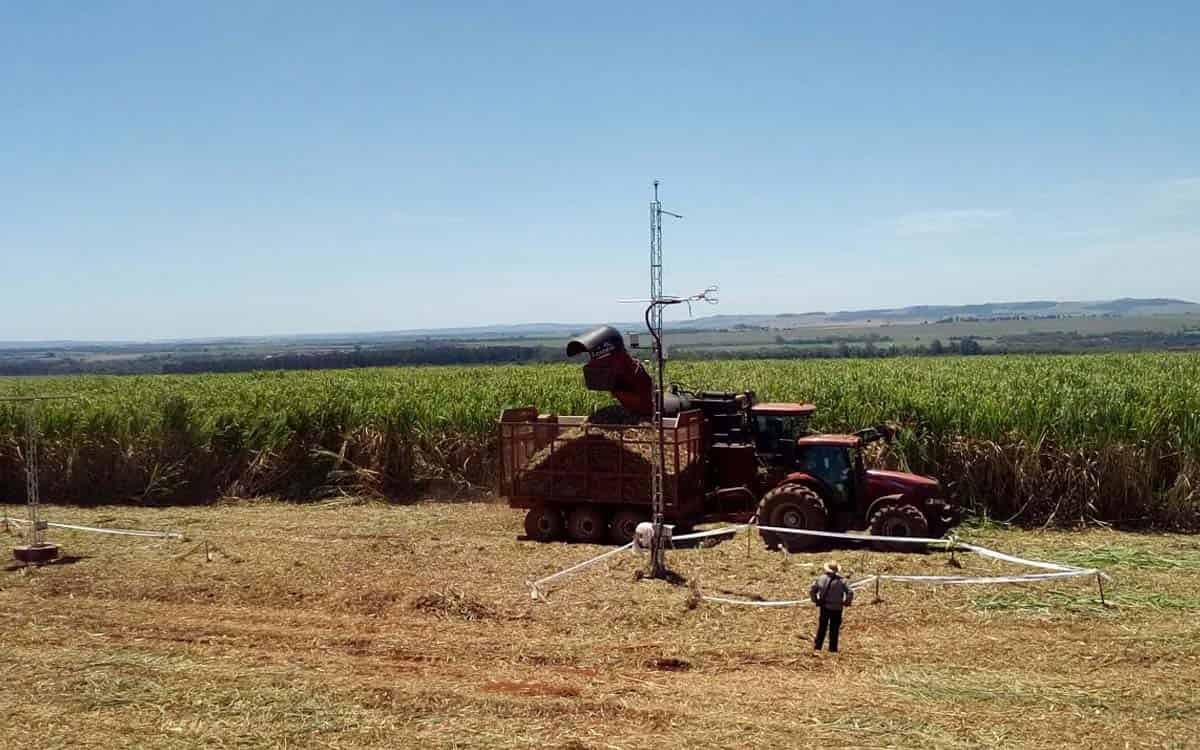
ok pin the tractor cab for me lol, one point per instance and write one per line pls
(834, 460)
(776, 427)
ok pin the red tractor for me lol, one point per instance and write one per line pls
(727, 458)
(826, 486)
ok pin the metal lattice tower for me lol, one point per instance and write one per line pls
(35, 538)
(656, 261)
(657, 301)
(32, 497)
(657, 491)
(656, 257)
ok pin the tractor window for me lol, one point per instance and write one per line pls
(777, 427)
(830, 464)
(775, 435)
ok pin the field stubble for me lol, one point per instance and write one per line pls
(369, 625)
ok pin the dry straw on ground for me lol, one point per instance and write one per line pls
(362, 625)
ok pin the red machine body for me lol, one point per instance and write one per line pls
(727, 458)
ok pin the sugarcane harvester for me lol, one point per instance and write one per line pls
(725, 457)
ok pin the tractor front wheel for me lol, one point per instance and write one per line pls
(899, 520)
(791, 506)
(587, 524)
(544, 523)
(942, 517)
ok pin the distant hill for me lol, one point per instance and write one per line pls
(1124, 308)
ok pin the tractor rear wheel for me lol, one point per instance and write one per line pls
(623, 526)
(899, 520)
(544, 523)
(791, 506)
(587, 524)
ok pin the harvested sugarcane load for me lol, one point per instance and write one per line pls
(593, 483)
(602, 463)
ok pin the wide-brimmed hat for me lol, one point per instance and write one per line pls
(832, 567)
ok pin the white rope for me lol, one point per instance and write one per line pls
(946, 544)
(1026, 578)
(985, 552)
(858, 537)
(782, 602)
(1057, 571)
(948, 580)
(535, 586)
(712, 532)
(97, 530)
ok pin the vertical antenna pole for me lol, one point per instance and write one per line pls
(31, 474)
(36, 550)
(660, 470)
(656, 259)
(654, 322)
(657, 489)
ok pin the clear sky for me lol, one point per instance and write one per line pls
(201, 169)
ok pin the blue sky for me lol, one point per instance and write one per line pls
(172, 170)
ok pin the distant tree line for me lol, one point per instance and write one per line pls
(874, 338)
(443, 353)
(964, 346)
(340, 360)
(310, 360)
(1074, 341)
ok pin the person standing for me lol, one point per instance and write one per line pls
(830, 593)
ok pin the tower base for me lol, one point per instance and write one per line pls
(36, 554)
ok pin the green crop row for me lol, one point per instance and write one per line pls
(1124, 424)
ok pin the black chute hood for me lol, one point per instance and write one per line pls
(610, 368)
(598, 342)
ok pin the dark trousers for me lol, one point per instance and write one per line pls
(831, 619)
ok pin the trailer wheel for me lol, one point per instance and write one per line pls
(623, 526)
(791, 506)
(899, 520)
(586, 524)
(544, 523)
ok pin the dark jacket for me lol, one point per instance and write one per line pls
(831, 592)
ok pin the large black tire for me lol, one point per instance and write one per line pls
(942, 516)
(587, 524)
(624, 524)
(544, 523)
(792, 506)
(899, 520)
